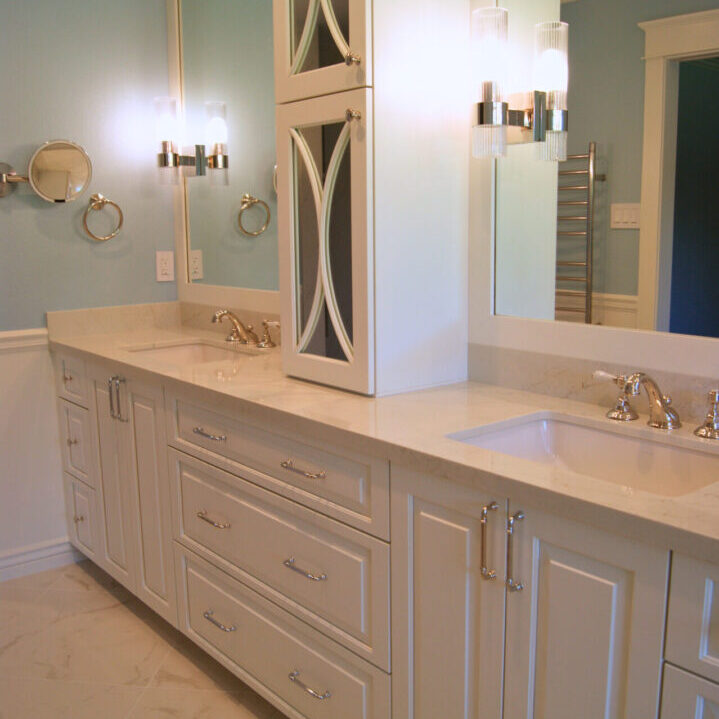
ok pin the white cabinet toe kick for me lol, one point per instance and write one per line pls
(271, 551)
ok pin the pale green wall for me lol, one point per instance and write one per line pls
(606, 104)
(228, 56)
(85, 70)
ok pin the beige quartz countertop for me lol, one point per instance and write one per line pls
(412, 428)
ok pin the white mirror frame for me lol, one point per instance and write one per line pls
(267, 301)
(662, 351)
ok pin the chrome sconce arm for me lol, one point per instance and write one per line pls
(200, 161)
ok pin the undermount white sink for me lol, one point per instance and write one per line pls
(192, 353)
(661, 464)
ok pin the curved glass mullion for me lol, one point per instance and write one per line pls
(325, 263)
(305, 42)
(317, 191)
(334, 28)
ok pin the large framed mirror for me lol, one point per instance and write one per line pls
(626, 232)
(227, 225)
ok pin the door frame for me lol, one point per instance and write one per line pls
(667, 42)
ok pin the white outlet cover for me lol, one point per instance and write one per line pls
(196, 270)
(165, 266)
(625, 216)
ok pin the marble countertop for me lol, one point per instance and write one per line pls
(413, 428)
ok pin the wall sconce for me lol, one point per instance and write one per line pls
(545, 119)
(168, 134)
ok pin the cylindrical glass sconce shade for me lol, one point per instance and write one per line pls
(167, 123)
(551, 67)
(489, 56)
(216, 128)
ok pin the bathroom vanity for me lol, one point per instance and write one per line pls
(370, 557)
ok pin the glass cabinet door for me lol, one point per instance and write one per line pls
(321, 46)
(325, 251)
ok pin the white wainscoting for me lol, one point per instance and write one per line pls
(609, 310)
(33, 536)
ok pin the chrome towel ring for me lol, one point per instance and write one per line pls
(98, 202)
(247, 202)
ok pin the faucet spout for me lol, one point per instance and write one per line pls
(661, 415)
(240, 333)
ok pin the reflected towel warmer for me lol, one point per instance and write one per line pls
(575, 209)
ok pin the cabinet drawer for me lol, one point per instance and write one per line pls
(693, 623)
(328, 574)
(339, 483)
(264, 645)
(81, 510)
(77, 443)
(71, 379)
(686, 695)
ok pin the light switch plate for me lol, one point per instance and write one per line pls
(196, 271)
(625, 216)
(165, 266)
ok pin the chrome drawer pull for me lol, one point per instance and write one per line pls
(513, 584)
(202, 514)
(484, 519)
(207, 435)
(293, 677)
(210, 618)
(290, 464)
(290, 564)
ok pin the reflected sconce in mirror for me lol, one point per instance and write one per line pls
(59, 171)
(168, 134)
(544, 118)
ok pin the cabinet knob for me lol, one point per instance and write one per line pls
(70, 442)
(352, 58)
(351, 114)
(78, 518)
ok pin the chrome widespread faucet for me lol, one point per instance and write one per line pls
(240, 334)
(661, 415)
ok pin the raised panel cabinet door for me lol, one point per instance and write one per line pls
(693, 623)
(585, 621)
(321, 47)
(116, 554)
(447, 557)
(326, 248)
(151, 496)
(78, 452)
(686, 696)
(81, 516)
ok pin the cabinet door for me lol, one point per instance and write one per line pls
(585, 619)
(116, 550)
(447, 615)
(686, 696)
(77, 442)
(143, 405)
(81, 516)
(324, 150)
(693, 625)
(321, 47)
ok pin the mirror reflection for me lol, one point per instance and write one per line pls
(574, 252)
(227, 57)
(60, 171)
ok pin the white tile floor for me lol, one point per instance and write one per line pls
(74, 644)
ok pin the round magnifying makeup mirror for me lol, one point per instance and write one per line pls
(60, 171)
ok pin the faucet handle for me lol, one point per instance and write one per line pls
(713, 397)
(622, 410)
(266, 341)
(710, 428)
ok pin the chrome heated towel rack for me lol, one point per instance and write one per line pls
(575, 232)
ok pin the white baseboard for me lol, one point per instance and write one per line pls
(37, 558)
(607, 309)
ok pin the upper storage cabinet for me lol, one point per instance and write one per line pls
(324, 153)
(321, 47)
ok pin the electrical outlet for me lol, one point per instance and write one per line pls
(165, 266)
(625, 216)
(196, 271)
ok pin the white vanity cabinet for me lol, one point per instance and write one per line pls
(372, 191)
(321, 47)
(687, 696)
(135, 490)
(584, 610)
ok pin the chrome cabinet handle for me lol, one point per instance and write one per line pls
(208, 435)
(484, 519)
(118, 381)
(202, 514)
(294, 677)
(290, 465)
(209, 615)
(290, 564)
(78, 518)
(112, 397)
(513, 584)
